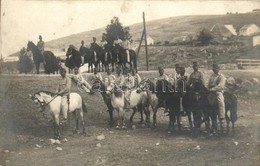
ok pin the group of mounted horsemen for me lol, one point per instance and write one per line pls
(180, 96)
(100, 56)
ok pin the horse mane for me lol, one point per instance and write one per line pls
(47, 92)
(73, 47)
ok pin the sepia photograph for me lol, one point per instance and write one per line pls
(130, 82)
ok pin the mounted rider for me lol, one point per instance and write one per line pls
(41, 44)
(63, 90)
(217, 85)
(94, 46)
(126, 45)
(81, 47)
(103, 43)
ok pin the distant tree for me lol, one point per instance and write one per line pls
(25, 63)
(115, 28)
(205, 36)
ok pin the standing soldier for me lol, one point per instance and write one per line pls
(217, 85)
(162, 76)
(96, 75)
(110, 78)
(196, 75)
(120, 77)
(137, 78)
(63, 90)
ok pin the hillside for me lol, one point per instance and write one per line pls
(168, 30)
(165, 29)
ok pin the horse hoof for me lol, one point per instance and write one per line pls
(117, 127)
(123, 127)
(169, 132)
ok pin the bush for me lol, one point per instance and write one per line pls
(24, 64)
(205, 37)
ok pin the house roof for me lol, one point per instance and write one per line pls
(247, 26)
(223, 30)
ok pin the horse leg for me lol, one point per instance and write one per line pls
(77, 122)
(207, 123)
(118, 120)
(171, 121)
(111, 123)
(131, 117)
(154, 117)
(56, 125)
(233, 127)
(147, 114)
(83, 122)
(37, 66)
(178, 117)
(227, 121)
(214, 124)
(190, 121)
(121, 110)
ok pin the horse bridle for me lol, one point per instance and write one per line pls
(43, 104)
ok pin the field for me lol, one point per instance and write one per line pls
(25, 133)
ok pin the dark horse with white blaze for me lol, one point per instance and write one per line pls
(119, 54)
(51, 63)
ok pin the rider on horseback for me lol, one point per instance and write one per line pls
(63, 90)
(217, 85)
(103, 43)
(40, 44)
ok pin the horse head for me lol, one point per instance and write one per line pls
(146, 84)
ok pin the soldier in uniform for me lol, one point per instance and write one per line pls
(63, 90)
(110, 78)
(96, 75)
(81, 81)
(103, 43)
(195, 75)
(217, 85)
(117, 42)
(41, 44)
(120, 77)
(137, 78)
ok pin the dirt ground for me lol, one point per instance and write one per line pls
(25, 134)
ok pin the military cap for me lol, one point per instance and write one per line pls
(215, 66)
(160, 68)
(195, 64)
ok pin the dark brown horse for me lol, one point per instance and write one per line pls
(120, 56)
(74, 58)
(51, 63)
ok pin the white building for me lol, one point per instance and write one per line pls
(256, 40)
(248, 30)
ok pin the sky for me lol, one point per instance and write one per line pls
(23, 20)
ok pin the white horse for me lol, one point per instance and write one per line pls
(138, 100)
(55, 105)
(149, 87)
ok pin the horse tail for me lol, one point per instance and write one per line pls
(233, 109)
(84, 106)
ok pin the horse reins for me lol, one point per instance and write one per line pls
(43, 104)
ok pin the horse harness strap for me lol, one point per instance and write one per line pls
(45, 104)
